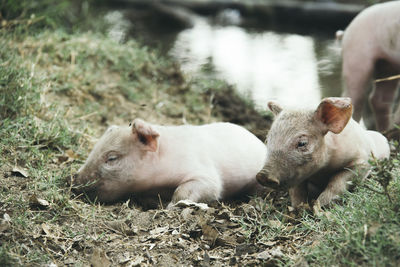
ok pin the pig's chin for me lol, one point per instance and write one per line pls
(95, 191)
(293, 182)
(269, 184)
(107, 193)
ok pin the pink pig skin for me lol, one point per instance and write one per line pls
(371, 50)
(314, 153)
(202, 163)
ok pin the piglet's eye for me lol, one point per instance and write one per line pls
(111, 159)
(302, 143)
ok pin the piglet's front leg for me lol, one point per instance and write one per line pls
(298, 194)
(339, 183)
(197, 189)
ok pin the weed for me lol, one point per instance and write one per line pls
(364, 232)
(5, 258)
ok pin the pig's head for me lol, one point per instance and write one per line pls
(296, 141)
(111, 169)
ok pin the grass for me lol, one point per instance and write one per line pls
(367, 225)
(361, 230)
(61, 85)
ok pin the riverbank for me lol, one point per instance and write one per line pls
(310, 15)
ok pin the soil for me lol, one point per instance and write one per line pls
(139, 232)
(143, 233)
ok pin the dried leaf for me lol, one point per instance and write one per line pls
(275, 223)
(137, 261)
(5, 223)
(267, 243)
(36, 202)
(291, 209)
(301, 262)
(61, 159)
(226, 240)
(187, 214)
(71, 154)
(6, 217)
(118, 226)
(276, 252)
(68, 156)
(210, 234)
(46, 229)
(19, 171)
(243, 249)
(265, 255)
(206, 260)
(159, 230)
(188, 203)
(50, 230)
(99, 258)
(373, 228)
(125, 257)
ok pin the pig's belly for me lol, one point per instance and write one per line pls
(390, 45)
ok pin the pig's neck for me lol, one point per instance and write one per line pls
(164, 167)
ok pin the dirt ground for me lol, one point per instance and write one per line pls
(66, 229)
(130, 234)
(137, 233)
(79, 93)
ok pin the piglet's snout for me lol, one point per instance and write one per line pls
(266, 180)
(81, 183)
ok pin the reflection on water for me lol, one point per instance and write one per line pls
(265, 65)
(294, 69)
(118, 25)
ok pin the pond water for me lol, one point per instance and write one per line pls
(295, 69)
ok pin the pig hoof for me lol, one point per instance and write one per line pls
(303, 206)
(316, 207)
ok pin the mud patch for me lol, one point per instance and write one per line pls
(231, 107)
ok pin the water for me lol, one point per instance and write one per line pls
(294, 69)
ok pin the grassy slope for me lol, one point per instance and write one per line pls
(59, 88)
(57, 91)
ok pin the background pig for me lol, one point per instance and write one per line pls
(201, 163)
(315, 152)
(371, 49)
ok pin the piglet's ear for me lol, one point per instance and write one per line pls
(334, 113)
(145, 134)
(274, 107)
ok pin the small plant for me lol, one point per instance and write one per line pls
(5, 258)
(382, 172)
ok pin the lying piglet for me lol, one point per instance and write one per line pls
(314, 153)
(200, 163)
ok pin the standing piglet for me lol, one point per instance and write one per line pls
(314, 153)
(371, 50)
(199, 163)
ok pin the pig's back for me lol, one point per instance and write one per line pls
(377, 28)
(241, 155)
(225, 151)
(379, 145)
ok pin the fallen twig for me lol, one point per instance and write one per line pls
(395, 77)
